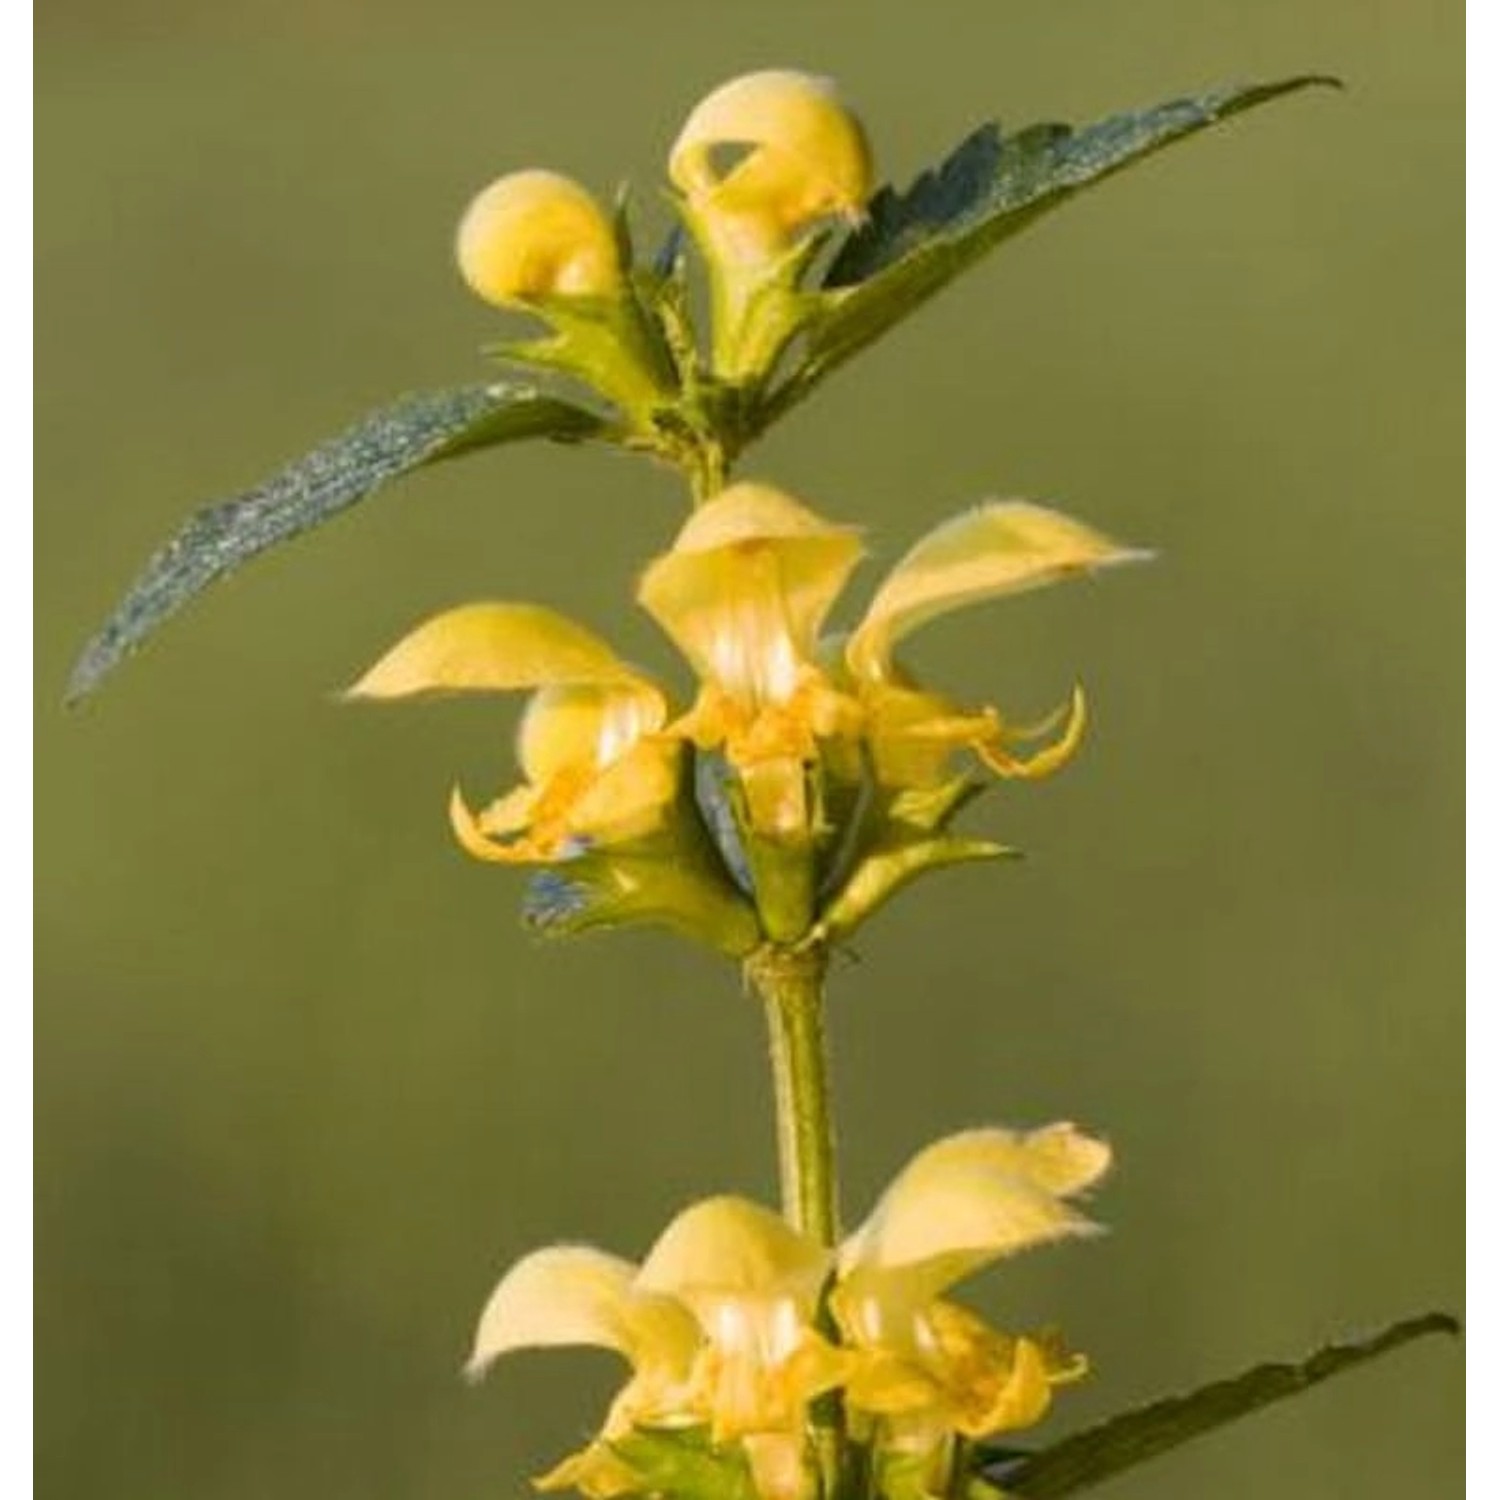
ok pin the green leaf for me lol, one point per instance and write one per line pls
(990, 188)
(415, 431)
(1099, 1453)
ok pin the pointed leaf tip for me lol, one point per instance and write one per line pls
(1098, 1453)
(413, 432)
(917, 239)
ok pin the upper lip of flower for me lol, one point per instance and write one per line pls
(805, 157)
(536, 234)
(595, 762)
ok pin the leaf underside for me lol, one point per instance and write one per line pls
(1099, 1453)
(411, 433)
(991, 187)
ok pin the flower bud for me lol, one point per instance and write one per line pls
(537, 234)
(805, 158)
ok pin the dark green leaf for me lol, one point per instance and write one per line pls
(1088, 1458)
(991, 187)
(415, 431)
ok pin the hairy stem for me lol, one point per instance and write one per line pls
(790, 984)
(706, 470)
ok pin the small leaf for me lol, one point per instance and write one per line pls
(991, 187)
(415, 431)
(1099, 1453)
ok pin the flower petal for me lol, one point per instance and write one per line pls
(808, 154)
(536, 234)
(629, 796)
(996, 1383)
(994, 750)
(1002, 547)
(778, 1465)
(509, 815)
(728, 1247)
(493, 648)
(588, 724)
(966, 1201)
(751, 512)
(595, 1471)
(575, 1294)
(564, 1294)
(746, 585)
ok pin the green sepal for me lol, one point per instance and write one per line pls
(903, 854)
(416, 431)
(890, 838)
(785, 876)
(904, 1476)
(756, 307)
(662, 288)
(673, 877)
(1098, 1453)
(636, 885)
(992, 186)
(779, 874)
(683, 1464)
(933, 807)
(608, 344)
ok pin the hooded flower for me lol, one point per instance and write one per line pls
(716, 1325)
(930, 1368)
(719, 1324)
(536, 234)
(598, 769)
(760, 164)
(806, 751)
(766, 156)
(745, 592)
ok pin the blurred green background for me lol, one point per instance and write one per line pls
(305, 1088)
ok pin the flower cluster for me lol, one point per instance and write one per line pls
(810, 777)
(735, 1325)
(807, 777)
(759, 167)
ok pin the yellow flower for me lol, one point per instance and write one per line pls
(800, 723)
(998, 548)
(716, 1325)
(929, 1368)
(537, 234)
(598, 769)
(803, 157)
(743, 594)
(719, 1324)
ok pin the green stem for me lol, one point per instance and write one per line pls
(706, 470)
(790, 984)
